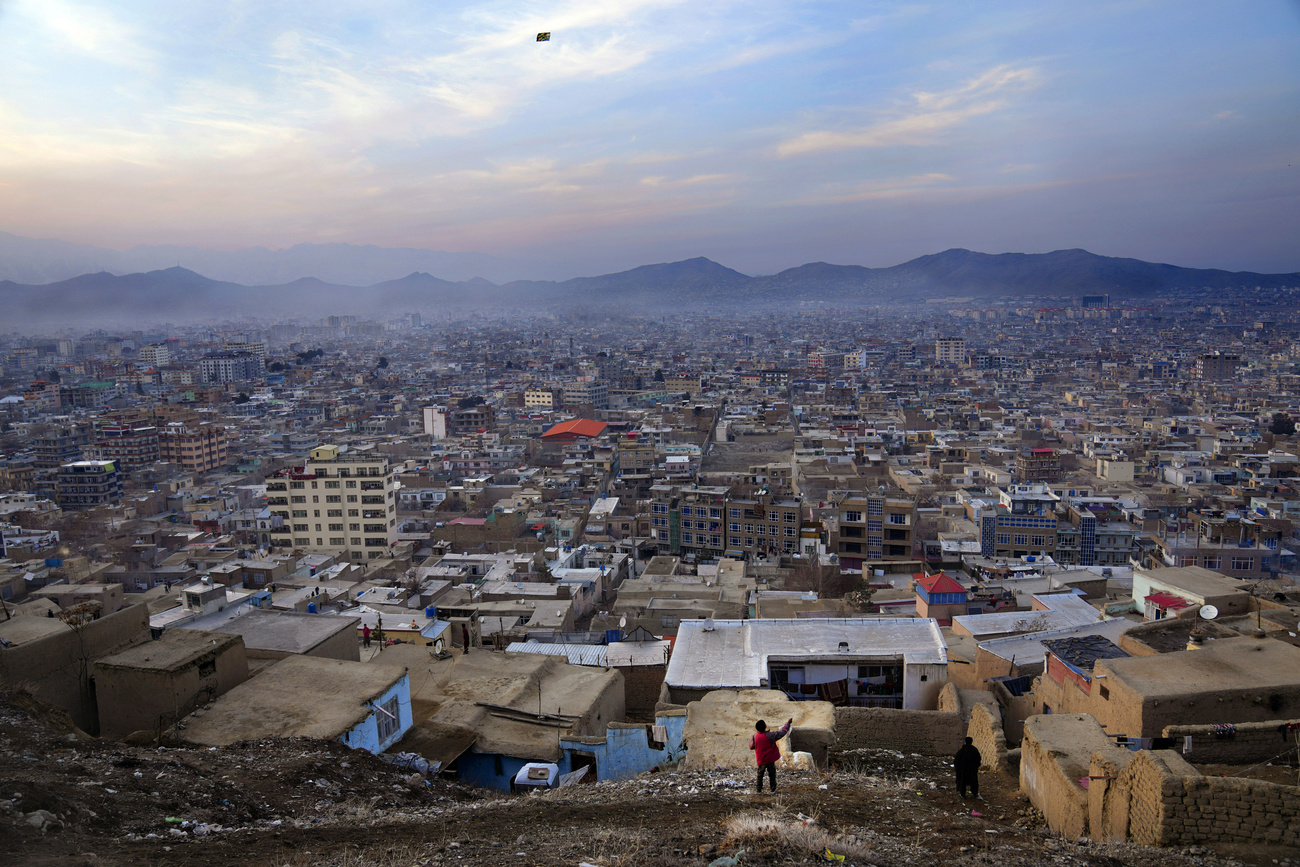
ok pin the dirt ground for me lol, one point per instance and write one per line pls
(294, 802)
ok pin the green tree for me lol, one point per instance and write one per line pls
(1282, 425)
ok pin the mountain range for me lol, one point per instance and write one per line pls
(178, 294)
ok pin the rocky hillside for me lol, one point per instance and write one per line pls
(66, 798)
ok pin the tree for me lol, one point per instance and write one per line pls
(275, 366)
(470, 402)
(242, 397)
(383, 362)
(1282, 425)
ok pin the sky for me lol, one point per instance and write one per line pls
(762, 134)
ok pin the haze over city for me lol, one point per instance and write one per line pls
(760, 134)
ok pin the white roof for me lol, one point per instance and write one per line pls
(622, 654)
(1065, 611)
(720, 654)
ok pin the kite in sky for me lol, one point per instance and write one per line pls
(544, 37)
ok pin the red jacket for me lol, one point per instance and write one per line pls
(764, 745)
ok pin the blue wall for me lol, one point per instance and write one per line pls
(365, 735)
(623, 754)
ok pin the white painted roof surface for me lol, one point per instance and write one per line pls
(622, 654)
(735, 653)
(1066, 611)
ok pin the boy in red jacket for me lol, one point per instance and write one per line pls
(763, 743)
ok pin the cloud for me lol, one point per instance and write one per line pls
(91, 31)
(930, 114)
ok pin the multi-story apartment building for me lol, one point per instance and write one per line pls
(86, 484)
(252, 347)
(874, 527)
(707, 521)
(1217, 365)
(155, 355)
(223, 367)
(338, 502)
(1038, 465)
(594, 393)
(59, 447)
(1093, 534)
(133, 446)
(539, 397)
(950, 350)
(197, 448)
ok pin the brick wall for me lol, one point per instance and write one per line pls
(985, 729)
(642, 684)
(1157, 804)
(928, 732)
(1252, 742)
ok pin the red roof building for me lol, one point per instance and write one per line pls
(574, 429)
(940, 596)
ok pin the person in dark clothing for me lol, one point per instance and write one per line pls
(967, 765)
(766, 752)
(464, 637)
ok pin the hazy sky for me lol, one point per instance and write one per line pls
(762, 134)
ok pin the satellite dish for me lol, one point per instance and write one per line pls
(622, 622)
(1208, 612)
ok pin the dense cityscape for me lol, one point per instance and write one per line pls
(981, 518)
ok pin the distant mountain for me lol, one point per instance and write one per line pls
(31, 260)
(179, 294)
(965, 273)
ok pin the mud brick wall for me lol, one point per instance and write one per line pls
(642, 685)
(928, 732)
(1252, 742)
(1169, 809)
(985, 730)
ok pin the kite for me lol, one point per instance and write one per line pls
(544, 37)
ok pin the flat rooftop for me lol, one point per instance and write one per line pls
(285, 631)
(735, 653)
(176, 649)
(1195, 580)
(1225, 664)
(299, 696)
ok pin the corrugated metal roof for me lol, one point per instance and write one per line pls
(577, 654)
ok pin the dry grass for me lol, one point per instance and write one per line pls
(761, 830)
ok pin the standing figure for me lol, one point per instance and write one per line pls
(365, 636)
(464, 637)
(766, 752)
(967, 765)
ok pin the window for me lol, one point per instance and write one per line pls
(687, 539)
(1038, 541)
(348, 484)
(897, 518)
(1004, 538)
(789, 531)
(331, 484)
(875, 507)
(300, 513)
(353, 513)
(300, 528)
(297, 486)
(733, 513)
(1022, 539)
(355, 528)
(734, 527)
(749, 529)
(334, 513)
(297, 499)
(335, 498)
(386, 719)
(1242, 564)
(789, 517)
(336, 528)
(853, 517)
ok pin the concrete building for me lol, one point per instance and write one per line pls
(132, 446)
(338, 501)
(1217, 366)
(864, 662)
(223, 367)
(152, 686)
(199, 448)
(366, 706)
(86, 484)
(874, 527)
(950, 350)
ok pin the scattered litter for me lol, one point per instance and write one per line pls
(831, 856)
